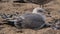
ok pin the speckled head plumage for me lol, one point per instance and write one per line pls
(38, 10)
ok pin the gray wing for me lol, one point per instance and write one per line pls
(33, 20)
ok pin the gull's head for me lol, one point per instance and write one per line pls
(38, 10)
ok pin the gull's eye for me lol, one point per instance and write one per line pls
(40, 11)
